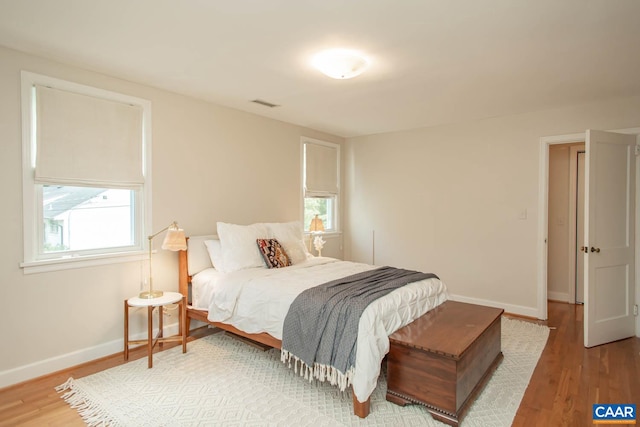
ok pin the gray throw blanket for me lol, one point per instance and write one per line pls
(321, 328)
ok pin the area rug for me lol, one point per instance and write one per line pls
(221, 381)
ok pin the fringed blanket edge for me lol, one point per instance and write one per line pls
(318, 371)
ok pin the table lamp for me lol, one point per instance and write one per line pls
(316, 226)
(174, 240)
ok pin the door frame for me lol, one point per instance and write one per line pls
(574, 151)
(543, 213)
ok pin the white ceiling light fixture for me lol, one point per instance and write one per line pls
(341, 63)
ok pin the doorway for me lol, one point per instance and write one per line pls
(565, 262)
(610, 223)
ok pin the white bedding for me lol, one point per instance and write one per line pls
(256, 300)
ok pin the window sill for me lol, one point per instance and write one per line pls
(43, 266)
(329, 234)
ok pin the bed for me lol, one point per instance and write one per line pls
(228, 285)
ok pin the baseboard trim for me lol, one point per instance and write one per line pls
(558, 296)
(48, 366)
(531, 312)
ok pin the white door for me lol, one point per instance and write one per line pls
(609, 237)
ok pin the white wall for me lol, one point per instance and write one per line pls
(210, 164)
(461, 200)
(558, 244)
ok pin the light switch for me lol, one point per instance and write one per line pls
(522, 214)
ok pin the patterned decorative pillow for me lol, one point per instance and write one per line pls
(273, 253)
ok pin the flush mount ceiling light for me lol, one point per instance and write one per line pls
(340, 63)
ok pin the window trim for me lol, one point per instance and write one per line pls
(338, 196)
(32, 262)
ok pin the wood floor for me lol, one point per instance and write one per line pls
(569, 378)
(565, 384)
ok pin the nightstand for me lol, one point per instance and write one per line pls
(151, 304)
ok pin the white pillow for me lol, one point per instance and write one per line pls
(197, 257)
(289, 235)
(215, 254)
(239, 246)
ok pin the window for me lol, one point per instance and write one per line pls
(321, 178)
(86, 218)
(86, 181)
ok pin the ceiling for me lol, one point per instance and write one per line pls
(433, 61)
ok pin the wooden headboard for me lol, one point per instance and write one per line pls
(183, 274)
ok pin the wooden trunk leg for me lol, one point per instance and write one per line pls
(361, 409)
(397, 399)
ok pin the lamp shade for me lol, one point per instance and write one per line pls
(316, 224)
(340, 63)
(174, 240)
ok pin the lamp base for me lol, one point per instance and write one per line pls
(150, 294)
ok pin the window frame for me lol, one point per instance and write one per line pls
(35, 259)
(336, 197)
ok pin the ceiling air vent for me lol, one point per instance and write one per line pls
(265, 103)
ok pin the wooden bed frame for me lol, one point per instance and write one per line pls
(361, 409)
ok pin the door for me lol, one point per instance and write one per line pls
(609, 237)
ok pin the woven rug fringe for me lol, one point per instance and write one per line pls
(318, 371)
(92, 414)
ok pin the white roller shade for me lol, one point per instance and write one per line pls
(321, 169)
(84, 139)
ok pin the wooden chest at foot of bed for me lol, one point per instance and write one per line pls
(443, 359)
